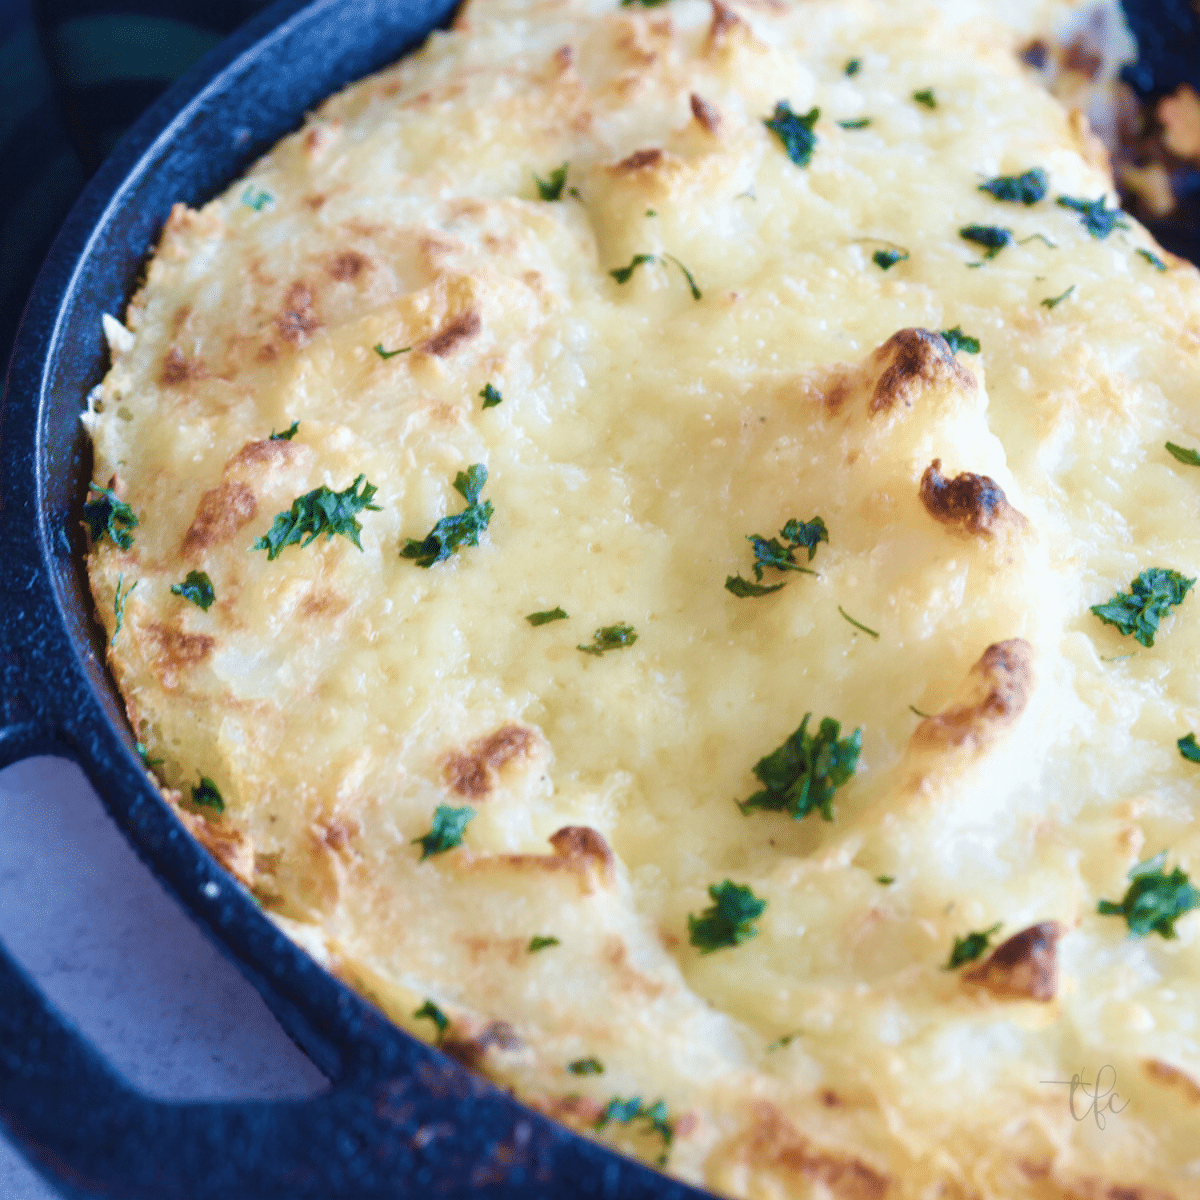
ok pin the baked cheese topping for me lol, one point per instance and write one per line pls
(661, 580)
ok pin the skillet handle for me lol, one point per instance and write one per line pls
(423, 1127)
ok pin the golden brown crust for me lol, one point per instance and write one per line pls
(459, 331)
(1024, 967)
(705, 113)
(475, 772)
(972, 504)
(222, 511)
(1173, 1077)
(297, 321)
(915, 359)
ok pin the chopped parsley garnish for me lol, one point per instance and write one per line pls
(1027, 188)
(205, 794)
(857, 123)
(780, 1043)
(1150, 597)
(1189, 457)
(993, 238)
(119, 606)
(1154, 901)
(857, 624)
(885, 880)
(794, 132)
(144, 755)
(923, 715)
(968, 949)
(544, 618)
(552, 188)
(386, 354)
(1153, 259)
(854, 66)
(655, 1116)
(490, 396)
(743, 588)
(435, 1014)
(623, 274)
(650, 212)
(257, 200)
(805, 772)
(540, 942)
(729, 920)
(886, 259)
(460, 529)
(286, 435)
(1188, 748)
(610, 637)
(320, 511)
(449, 825)
(197, 588)
(586, 1066)
(1098, 220)
(926, 97)
(957, 340)
(770, 552)
(1054, 301)
(107, 514)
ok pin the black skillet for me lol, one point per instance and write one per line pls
(399, 1118)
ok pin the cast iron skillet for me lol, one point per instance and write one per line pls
(399, 1119)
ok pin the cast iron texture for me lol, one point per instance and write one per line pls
(400, 1119)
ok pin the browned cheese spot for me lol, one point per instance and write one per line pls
(705, 113)
(472, 1048)
(265, 453)
(915, 359)
(229, 846)
(323, 604)
(1036, 54)
(179, 320)
(1098, 1189)
(314, 201)
(267, 353)
(724, 22)
(1084, 56)
(339, 834)
(297, 322)
(578, 849)
(475, 773)
(172, 651)
(626, 977)
(584, 846)
(346, 265)
(447, 340)
(580, 1112)
(1173, 1077)
(973, 504)
(641, 160)
(831, 1099)
(999, 684)
(564, 58)
(773, 1143)
(1024, 967)
(222, 511)
(177, 368)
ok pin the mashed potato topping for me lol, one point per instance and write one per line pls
(546, 322)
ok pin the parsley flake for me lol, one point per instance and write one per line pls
(1027, 188)
(197, 588)
(655, 1116)
(854, 66)
(320, 511)
(1098, 220)
(886, 259)
(1154, 901)
(119, 606)
(257, 200)
(286, 435)
(885, 880)
(540, 942)
(544, 618)
(433, 1013)
(1153, 259)
(623, 274)
(490, 396)
(1150, 597)
(552, 188)
(1190, 458)
(968, 949)
(786, 1040)
(460, 529)
(993, 238)
(386, 354)
(610, 637)
(447, 831)
(1055, 301)
(743, 588)
(926, 97)
(729, 920)
(923, 715)
(1188, 748)
(805, 772)
(857, 123)
(144, 755)
(696, 293)
(794, 132)
(107, 514)
(205, 794)
(586, 1066)
(957, 340)
(857, 624)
